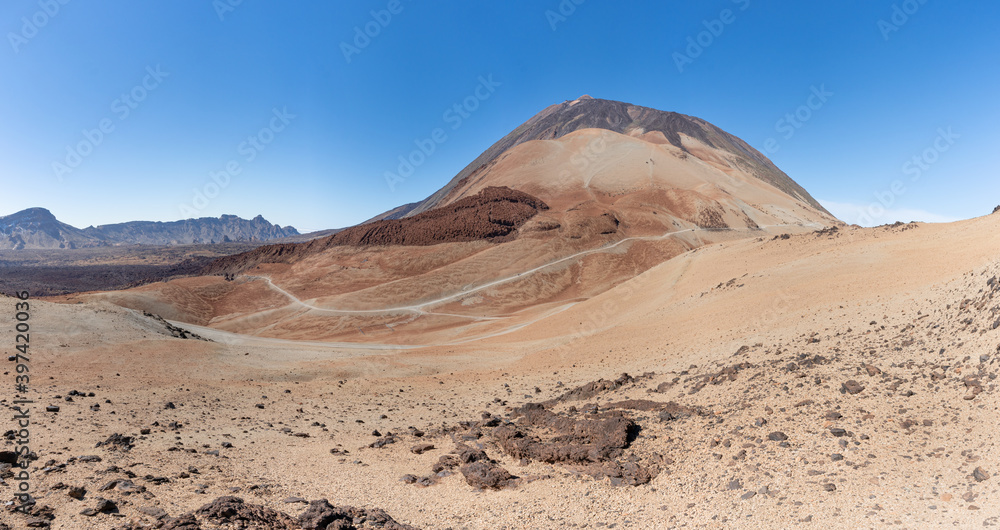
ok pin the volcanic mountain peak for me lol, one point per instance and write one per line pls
(560, 120)
(584, 196)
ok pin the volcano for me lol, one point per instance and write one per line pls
(685, 133)
(587, 194)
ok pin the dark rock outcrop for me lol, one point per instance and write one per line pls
(494, 214)
(322, 515)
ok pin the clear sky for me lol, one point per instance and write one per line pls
(120, 110)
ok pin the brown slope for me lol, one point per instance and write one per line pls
(559, 120)
(495, 214)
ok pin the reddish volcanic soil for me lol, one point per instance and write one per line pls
(493, 214)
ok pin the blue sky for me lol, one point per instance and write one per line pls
(118, 110)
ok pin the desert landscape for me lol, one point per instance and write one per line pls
(395, 265)
(668, 335)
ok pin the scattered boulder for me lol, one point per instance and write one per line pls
(321, 515)
(183, 522)
(382, 442)
(851, 387)
(973, 387)
(593, 443)
(233, 511)
(153, 511)
(420, 449)
(487, 474)
(594, 388)
(117, 442)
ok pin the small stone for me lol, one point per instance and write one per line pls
(851, 387)
(777, 436)
(153, 511)
(420, 449)
(76, 492)
(52, 408)
(838, 432)
(829, 486)
(980, 474)
(106, 506)
(836, 457)
(748, 495)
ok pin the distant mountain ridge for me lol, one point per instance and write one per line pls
(38, 228)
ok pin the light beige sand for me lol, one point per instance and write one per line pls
(913, 302)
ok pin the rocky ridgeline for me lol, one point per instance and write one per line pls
(494, 214)
(37, 228)
(173, 330)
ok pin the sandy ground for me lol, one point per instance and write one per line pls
(765, 341)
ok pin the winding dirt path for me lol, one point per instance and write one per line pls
(419, 308)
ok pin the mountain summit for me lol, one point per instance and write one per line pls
(38, 228)
(689, 135)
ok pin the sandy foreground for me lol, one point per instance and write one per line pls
(841, 380)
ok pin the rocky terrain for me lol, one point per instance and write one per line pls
(37, 228)
(766, 387)
(48, 272)
(494, 214)
(617, 327)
